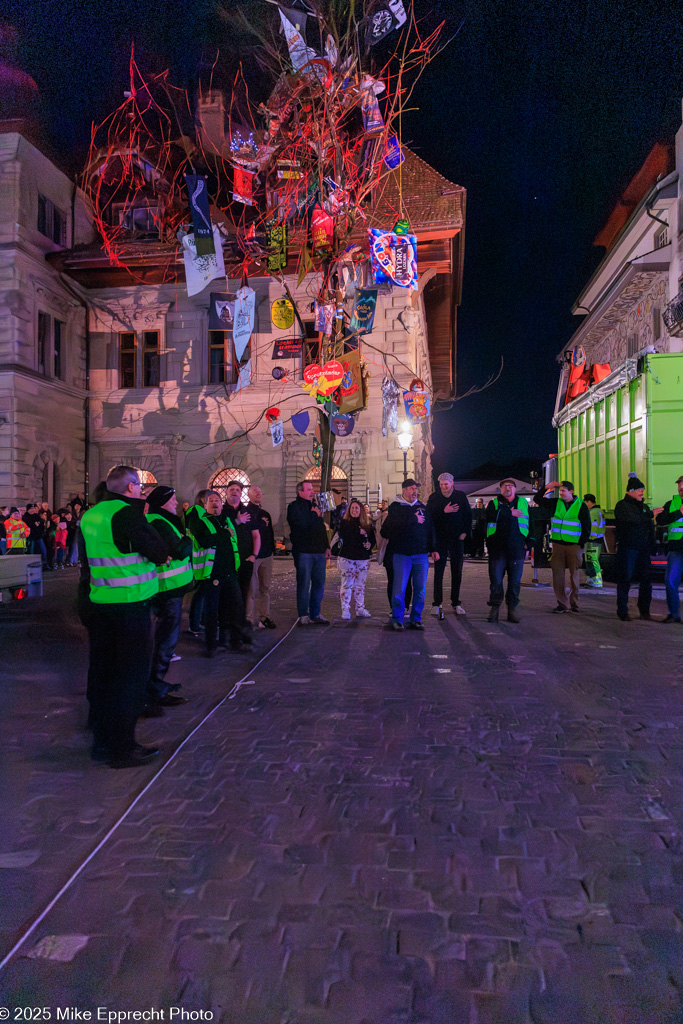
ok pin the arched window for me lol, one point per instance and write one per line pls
(220, 480)
(339, 484)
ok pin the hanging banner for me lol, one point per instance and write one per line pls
(221, 312)
(386, 16)
(330, 377)
(294, 27)
(282, 314)
(394, 155)
(243, 186)
(341, 425)
(276, 244)
(322, 230)
(287, 348)
(416, 404)
(301, 421)
(245, 312)
(244, 376)
(277, 433)
(351, 391)
(390, 393)
(200, 270)
(201, 218)
(363, 315)
(324, 317)
(394, 258)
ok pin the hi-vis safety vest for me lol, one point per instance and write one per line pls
(203, 558)
(565, 525)
(597, 523)
(17, 531)
(675, 531)
(176, 573)
(522, 521)
(115, 577)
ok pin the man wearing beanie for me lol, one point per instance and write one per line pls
(175, 579)
(570, 528)
(635, 529)
(671, 516)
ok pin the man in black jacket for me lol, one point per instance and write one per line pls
(311, 550)
(410, 532)
(671, 516)
(452, 518)
(248, 537)
(635, 530)
(259, 592)
(175, 580)
(507, 528)
(120, 629)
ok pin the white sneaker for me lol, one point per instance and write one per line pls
(176, 657)
(363, 613)
(436, 610)
(346, 615)
(304, 620)
(259, 625)
(459, 610)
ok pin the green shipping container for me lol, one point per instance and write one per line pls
(638, 428)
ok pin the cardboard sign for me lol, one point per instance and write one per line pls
(323, 380)
(416, 404)
(363, 316)
(351, 391)
(282, 314)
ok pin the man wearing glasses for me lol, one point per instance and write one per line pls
(121, 554)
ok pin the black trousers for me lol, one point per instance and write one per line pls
(453, 549)
(244, 574)
(167, 612)
(633, 565)
(120, 662)
(223, 611)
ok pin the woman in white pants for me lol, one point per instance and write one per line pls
(356, 541)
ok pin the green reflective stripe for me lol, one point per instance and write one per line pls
(566, 526)
(123, 560)
(675, 529)
(124, 581)
(178, 572)
(522, 521)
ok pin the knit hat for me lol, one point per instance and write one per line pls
(634, 484)
(13, 510)
(159, 496)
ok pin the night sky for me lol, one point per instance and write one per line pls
(542, 109)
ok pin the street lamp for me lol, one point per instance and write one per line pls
(405, 443)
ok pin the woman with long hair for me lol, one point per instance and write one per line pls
(356, 541)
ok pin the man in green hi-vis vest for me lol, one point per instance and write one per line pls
(120, 552)
(570, 529)
(507, 535)
(671, 516)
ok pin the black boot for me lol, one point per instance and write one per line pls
(493, 614)
(512, 615)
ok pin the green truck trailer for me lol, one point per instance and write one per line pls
(627, 423)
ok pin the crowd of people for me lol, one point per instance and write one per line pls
(139, 555)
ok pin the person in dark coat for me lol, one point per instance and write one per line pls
(452, 518)
(248, 538)
(167, 606)
(258, 602)
(478, 529)
(410, 532)
(507, 521)
(671, 516)
(356, 541)
(635, 530)
(311, 551)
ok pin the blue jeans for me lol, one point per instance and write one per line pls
(672, 581)
(407, 567)
(310, 583)
(633, 565)
(166, 615)
(499, 564)
(37, 547)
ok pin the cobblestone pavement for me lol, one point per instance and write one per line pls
(474, 824)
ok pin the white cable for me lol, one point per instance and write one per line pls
(67, 885)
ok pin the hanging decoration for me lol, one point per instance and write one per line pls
(416, 404)
(221, 311)
(282, 314)
(390, 394)
(244, 376)
(394, 258)
(363, 316)
(276, 244)
(243, 186)
(294, 26)
(324, 317)
(351, 389)
(394, 155)
(201, 270)
(323, 380)
(301, 421)
(279, 373)
(277, 433)
(317, 452)
(384, 17)
(287, 348)
(201, 218)
(245, 313)
(341, 424)
(322, 231)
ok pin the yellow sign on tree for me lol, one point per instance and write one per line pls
(282, 314)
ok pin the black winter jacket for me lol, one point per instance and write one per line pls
(409, 529)
(635, 525)
(307, 529)
(449, 525)
(353, 541)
